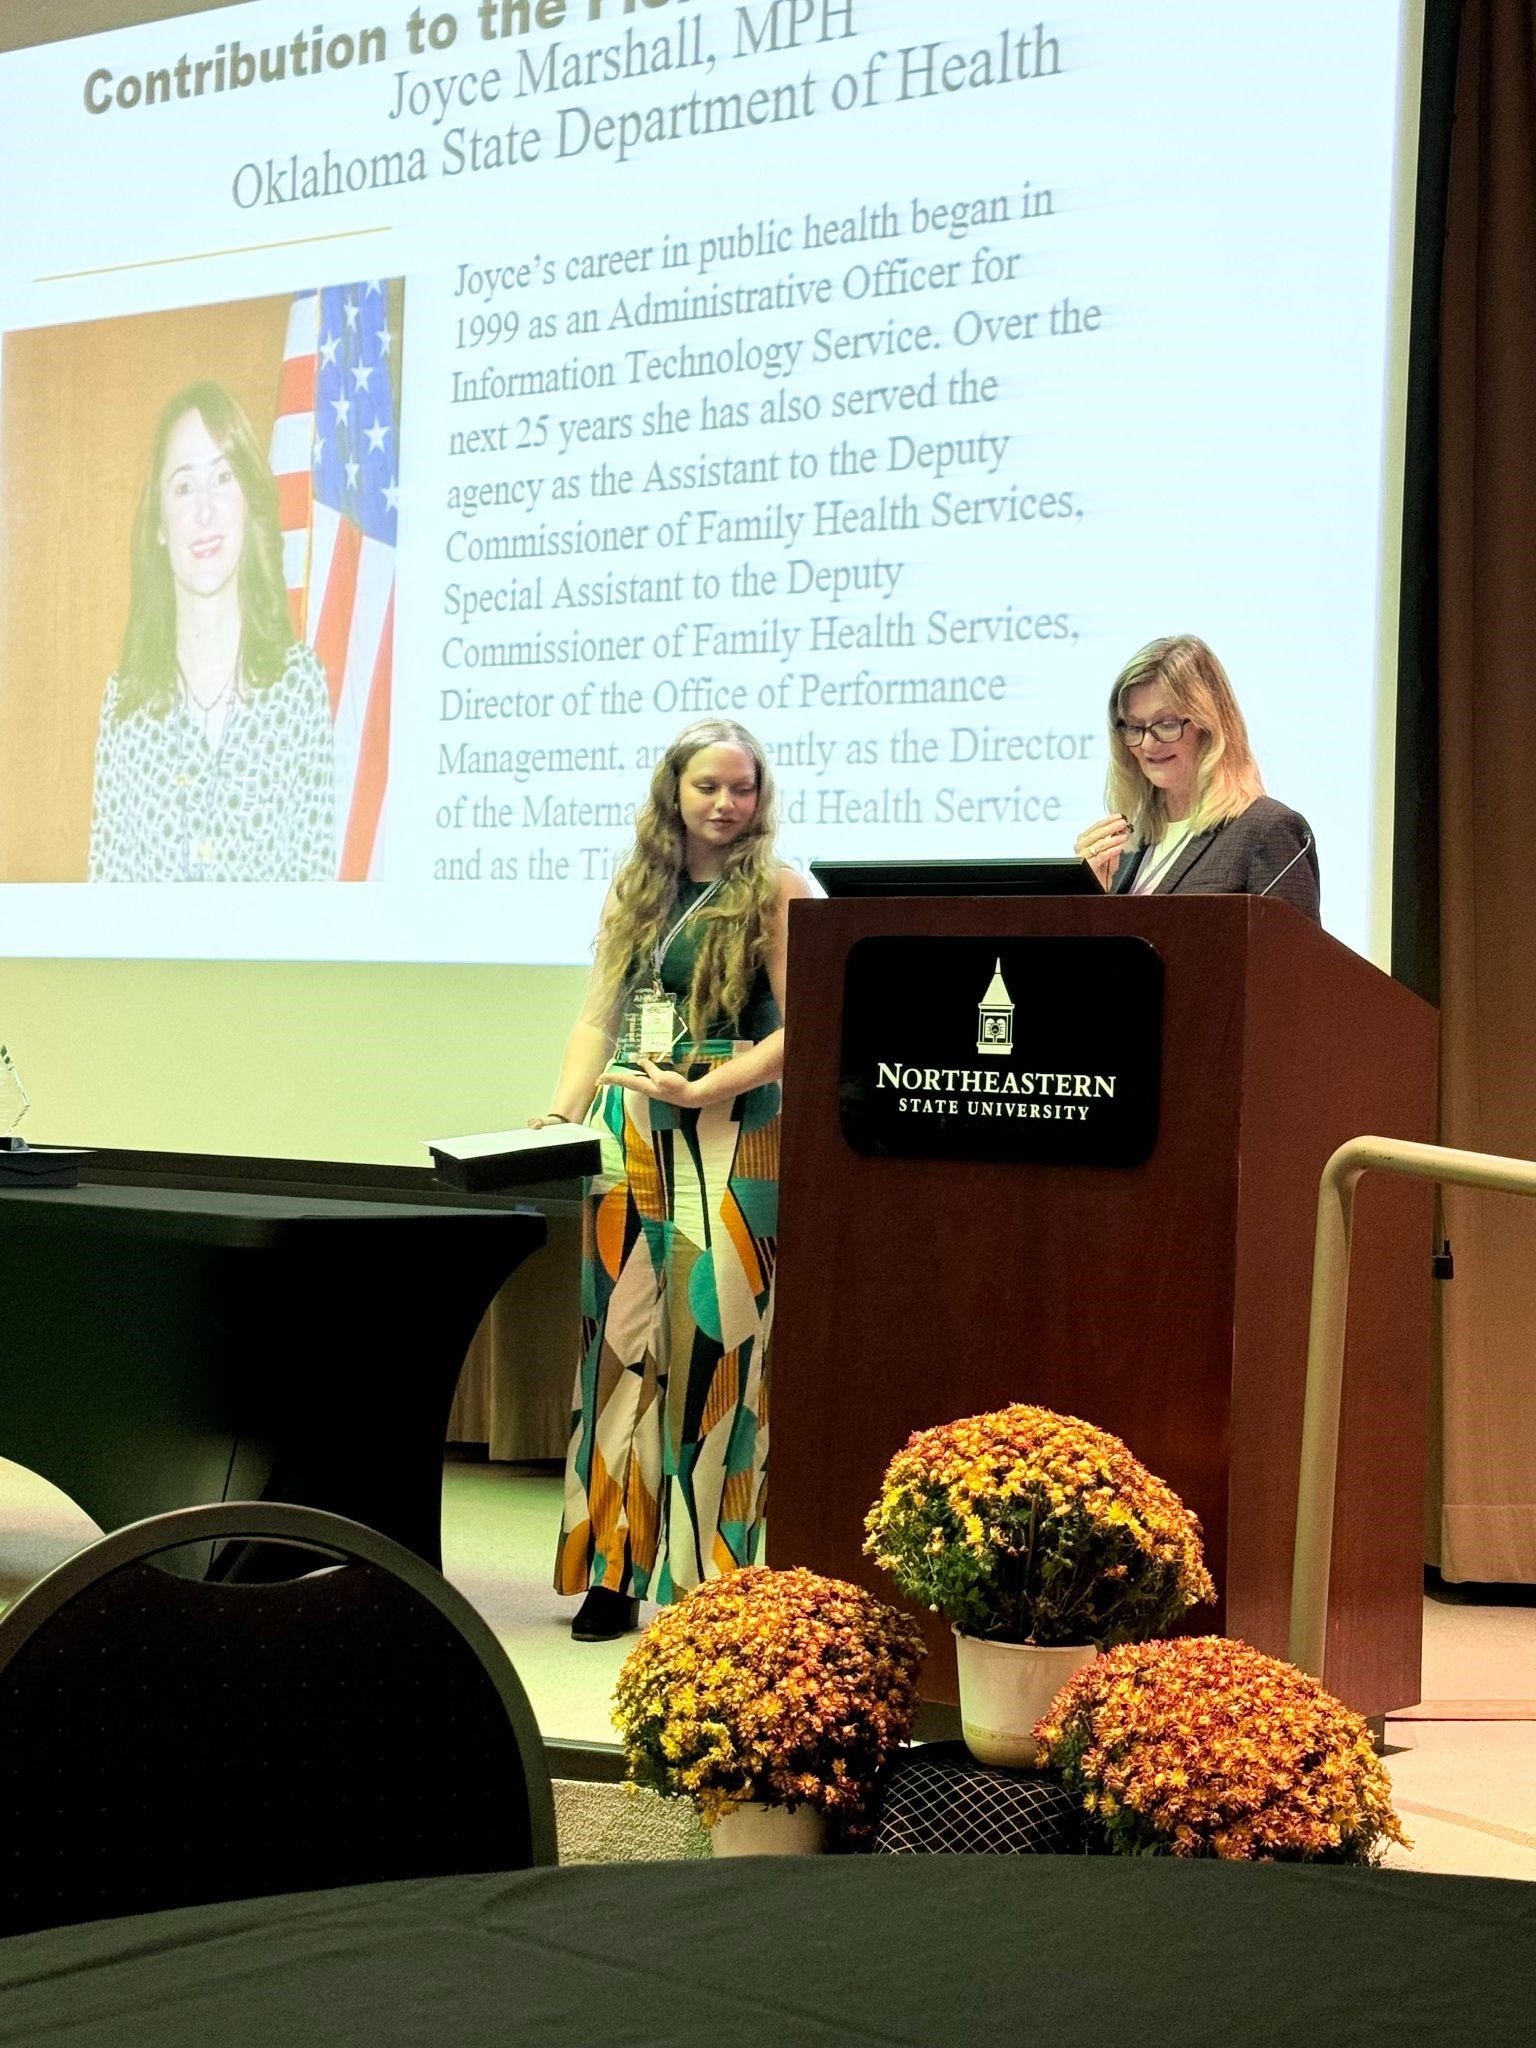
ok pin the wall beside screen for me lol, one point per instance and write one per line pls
(884, 392)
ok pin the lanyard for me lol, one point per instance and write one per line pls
(663, 946)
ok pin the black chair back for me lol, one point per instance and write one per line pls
(167, 1740)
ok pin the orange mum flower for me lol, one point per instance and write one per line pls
(1206, 1747)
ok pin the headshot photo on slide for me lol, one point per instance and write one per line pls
(242, 500)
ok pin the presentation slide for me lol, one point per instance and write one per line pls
(536, 377)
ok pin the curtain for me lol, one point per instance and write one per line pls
(514, 1395)
(1487, 730)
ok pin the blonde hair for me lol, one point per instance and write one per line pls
(1227, 777)
(737, 921)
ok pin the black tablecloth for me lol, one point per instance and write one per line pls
(1065, 1951)
(165, 1346)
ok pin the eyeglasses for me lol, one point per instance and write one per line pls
(1164, 730)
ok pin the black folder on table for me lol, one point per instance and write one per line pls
(492, 1161)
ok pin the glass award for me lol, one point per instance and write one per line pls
(14, 1103)
(650, 1027)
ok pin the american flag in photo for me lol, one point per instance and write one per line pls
(335, 456)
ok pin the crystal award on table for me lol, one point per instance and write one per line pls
(23, 1165)
(14, 1103)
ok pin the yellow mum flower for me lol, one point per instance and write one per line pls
(776, 1685)
(1030, 1526)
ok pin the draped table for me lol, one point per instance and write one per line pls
(245, 1330)
(781, 1953)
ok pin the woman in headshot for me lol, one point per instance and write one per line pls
(674, 1063)
(213, 755)
(1188, 813)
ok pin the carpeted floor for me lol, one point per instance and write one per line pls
(499, 1529)
(621, 1824)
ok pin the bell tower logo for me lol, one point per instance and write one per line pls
(994, 1017)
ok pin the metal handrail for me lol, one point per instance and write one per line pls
(1313, 1557)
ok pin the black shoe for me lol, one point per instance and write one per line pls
(602, 1616)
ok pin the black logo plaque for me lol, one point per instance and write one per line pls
(1038, 1049)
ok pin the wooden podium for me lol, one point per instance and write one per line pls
(1166, 1301)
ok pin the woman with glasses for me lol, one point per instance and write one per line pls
(1188, 813)
(213, 758)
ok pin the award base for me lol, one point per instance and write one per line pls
(688, 1057)
(39, 1166)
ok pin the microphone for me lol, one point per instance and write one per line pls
(1296, 856)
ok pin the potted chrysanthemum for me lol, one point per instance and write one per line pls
(770, 1699)
(1041, 1540)
(1206, 1747)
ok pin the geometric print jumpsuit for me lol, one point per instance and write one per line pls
(665, 1481)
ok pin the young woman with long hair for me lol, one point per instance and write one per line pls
(674, 1062)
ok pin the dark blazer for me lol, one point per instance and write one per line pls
(1266, 850)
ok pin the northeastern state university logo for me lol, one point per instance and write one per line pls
(1010, 1047)
(993, 1091)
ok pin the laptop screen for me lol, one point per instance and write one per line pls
(955, 877)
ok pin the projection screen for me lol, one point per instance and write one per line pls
(876, 374)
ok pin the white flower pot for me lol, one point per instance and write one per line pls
(1005, 1688)
(758, 1830)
